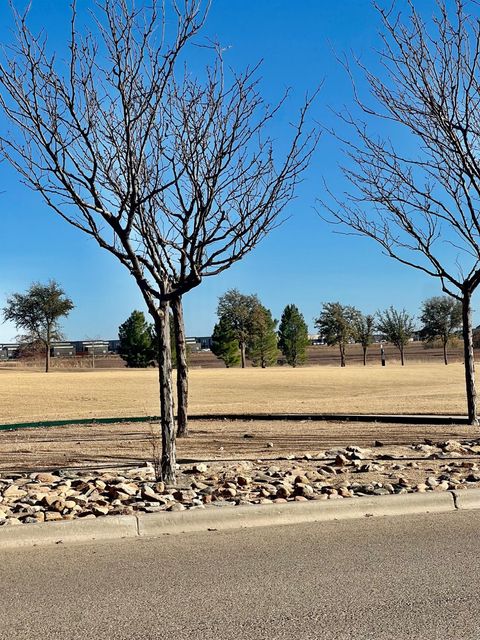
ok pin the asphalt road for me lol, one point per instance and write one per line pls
(410, 577)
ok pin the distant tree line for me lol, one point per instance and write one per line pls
(441, 318)
(246, 329)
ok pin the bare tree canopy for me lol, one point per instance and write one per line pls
(412, 161)
(175, 175)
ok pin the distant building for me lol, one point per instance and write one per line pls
(113, 346)
(89, 347)
(94, 347)
(63, 349)
(199, 343)
(8, 351)
(205, 342)
(192, 344)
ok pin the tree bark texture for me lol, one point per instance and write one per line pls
(168, 461)
(242, 351)
(182, 368)
(469, 358)
(47, 358)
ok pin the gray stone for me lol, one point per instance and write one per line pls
(177, 506)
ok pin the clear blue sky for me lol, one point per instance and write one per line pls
(303, 262)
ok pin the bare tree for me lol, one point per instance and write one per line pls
(418, 195)
(174, 176)
(182, 366)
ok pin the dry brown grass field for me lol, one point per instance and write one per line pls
(416, 388)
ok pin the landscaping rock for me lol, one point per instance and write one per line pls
(177, 506)
(13, 492)
(47, 478)
(200, 468)
(340, 460)
(284, 491)
(128, 489)
(52, 515)
(68, 494)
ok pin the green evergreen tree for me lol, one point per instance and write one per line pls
(262, 347)
(173, 343)
(225, 344)
(137, 341)
(293, 336)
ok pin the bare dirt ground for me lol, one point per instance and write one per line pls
(426, 388)
(104, 446)
(417, 388)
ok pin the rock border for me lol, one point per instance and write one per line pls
(216, 518)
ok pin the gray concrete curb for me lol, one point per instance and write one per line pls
(68, 530)
(223, 518)
(468, 499)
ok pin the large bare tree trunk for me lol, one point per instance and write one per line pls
(342, 355)
(445, 357)
(364, 356)
(469, 358)
(168, 461)
(182, 368)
